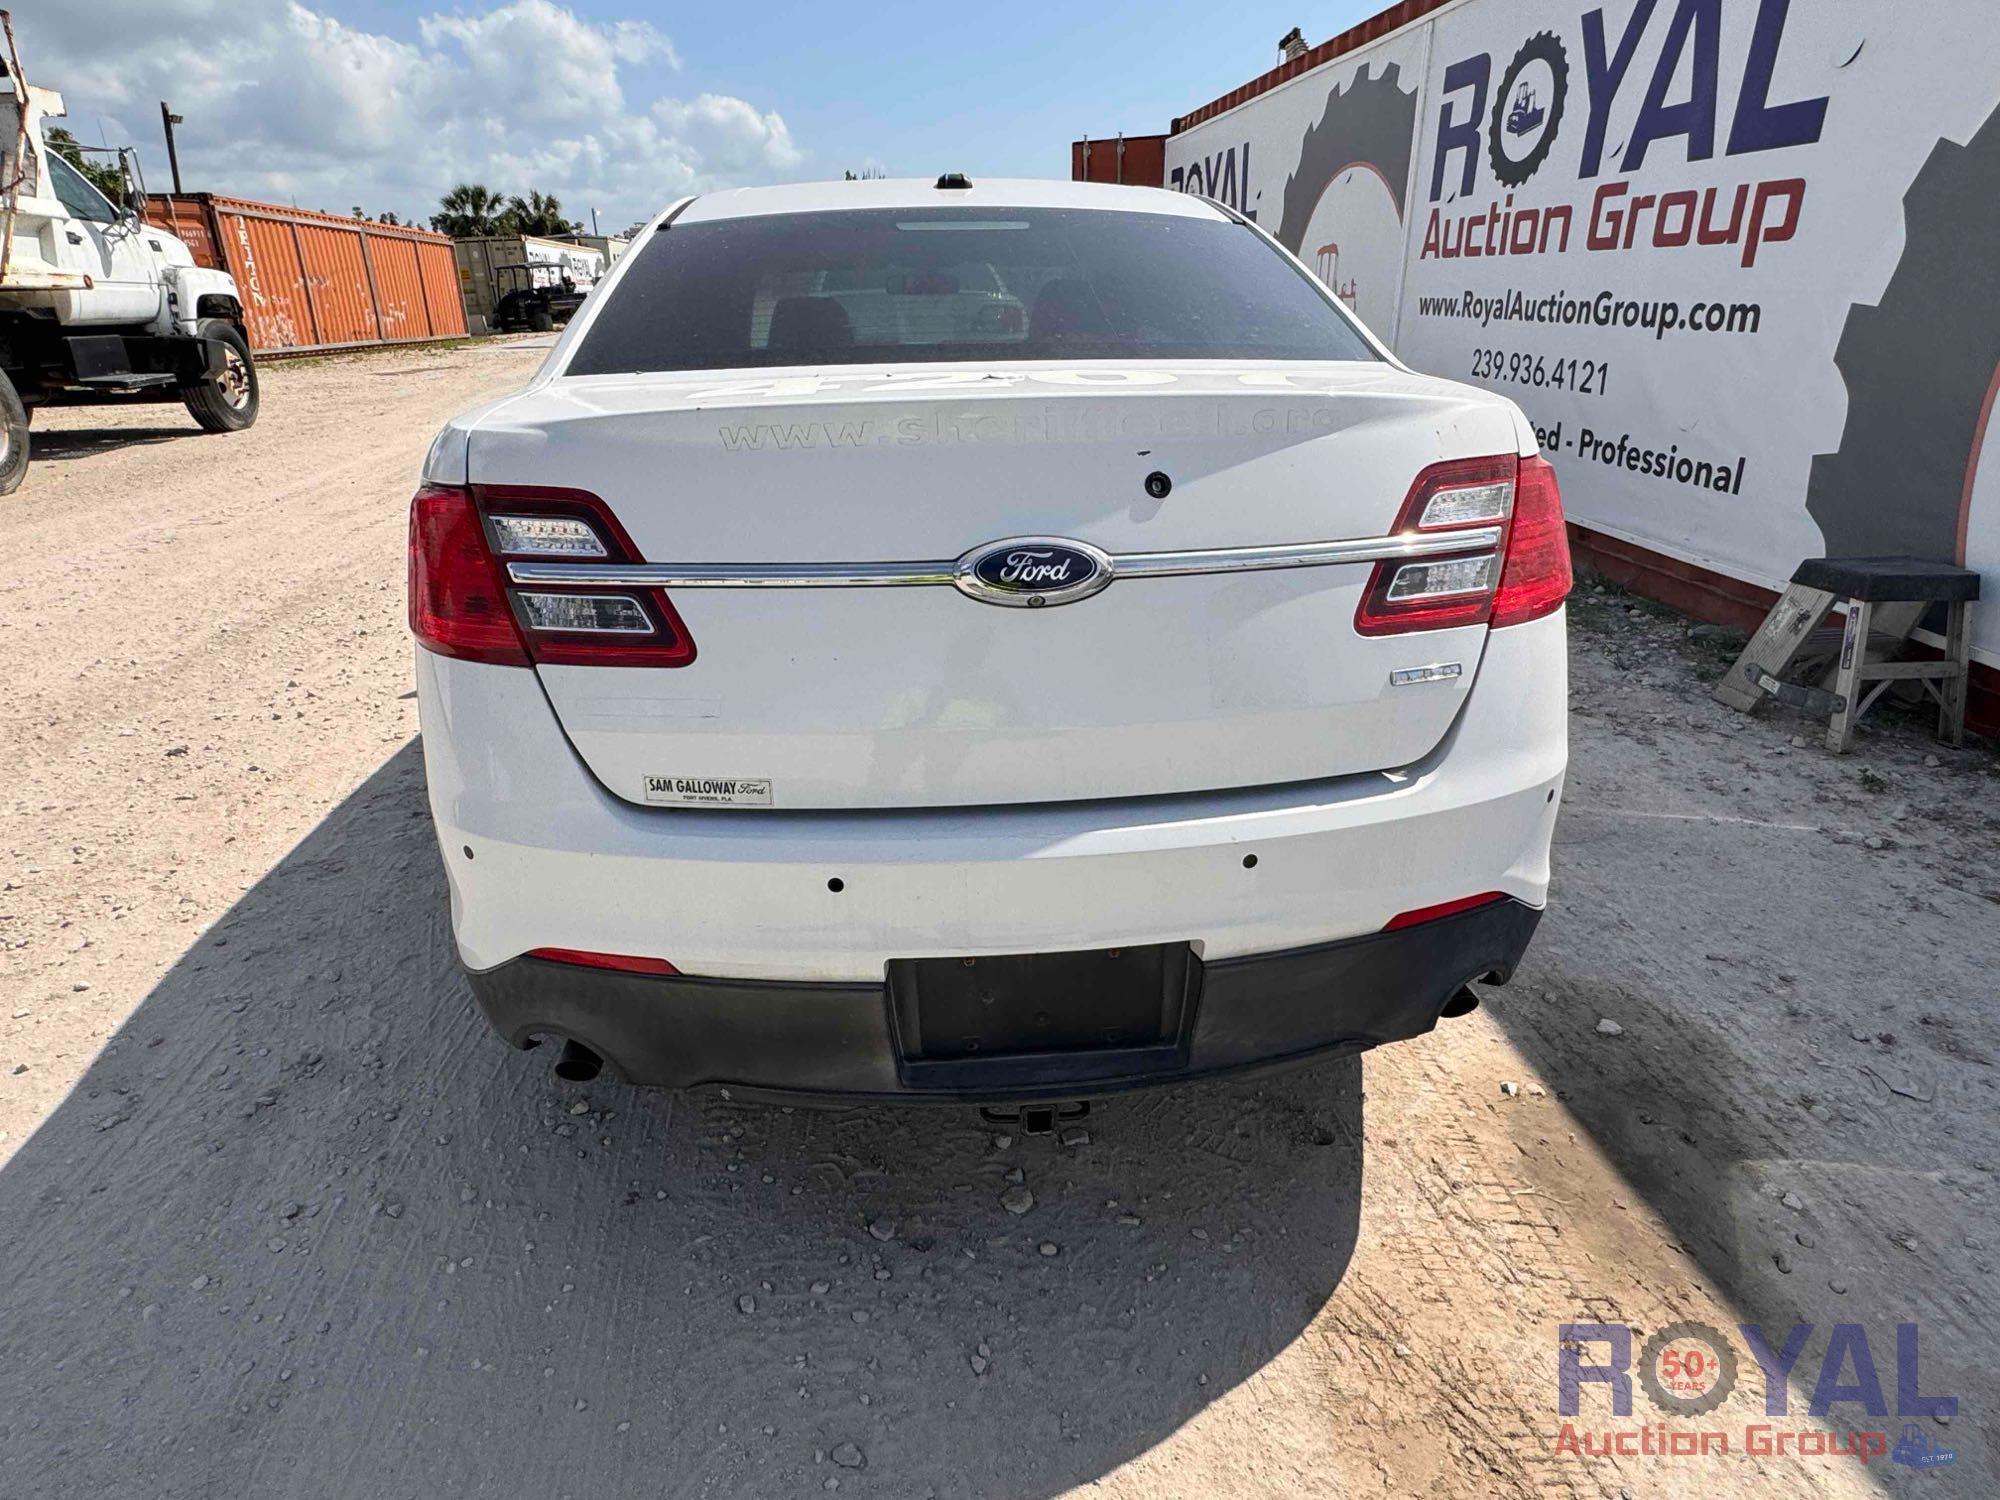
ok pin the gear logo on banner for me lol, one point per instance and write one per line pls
(1343, 205)
(1687, 1369)
(1528, 109)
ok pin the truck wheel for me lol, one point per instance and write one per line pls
(541, 320)
(13, 437)
(227, 402)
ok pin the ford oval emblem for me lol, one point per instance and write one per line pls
(1032, 571)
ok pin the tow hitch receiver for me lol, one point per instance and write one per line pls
(1036, 1119)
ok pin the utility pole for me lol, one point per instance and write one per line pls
(169, 119)
(593, 223)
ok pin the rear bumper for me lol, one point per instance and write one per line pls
(840, 1040)
(539, 855)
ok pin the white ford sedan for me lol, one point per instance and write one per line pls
(997, 641)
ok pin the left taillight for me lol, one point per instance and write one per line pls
(462, 602)
(458, 605)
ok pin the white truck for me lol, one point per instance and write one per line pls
(97, 305)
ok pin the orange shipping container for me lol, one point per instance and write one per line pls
(320, 281)
(1140, 160)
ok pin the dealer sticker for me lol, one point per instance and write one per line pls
(710, 791)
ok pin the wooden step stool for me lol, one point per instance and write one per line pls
(1885, 597)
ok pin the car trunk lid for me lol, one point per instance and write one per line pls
(807, 691)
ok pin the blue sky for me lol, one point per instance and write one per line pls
(624, 105)
(910, 84)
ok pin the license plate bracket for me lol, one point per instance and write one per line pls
(1028, 1020)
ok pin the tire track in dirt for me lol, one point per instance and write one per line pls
(211, 653)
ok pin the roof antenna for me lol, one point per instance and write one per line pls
(954, 180)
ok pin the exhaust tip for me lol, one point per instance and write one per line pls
(578, 1064)
(1464, 1003)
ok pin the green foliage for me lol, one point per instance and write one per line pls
(468, 211)
(471, 210)
(102, 176)
(538, 213)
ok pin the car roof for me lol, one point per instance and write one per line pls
(923, 192)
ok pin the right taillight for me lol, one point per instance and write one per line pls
(1537, 577)
(463, 604)
(1522, 575)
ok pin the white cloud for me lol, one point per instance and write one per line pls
(534, 52)
(285, 101)
(735, 136)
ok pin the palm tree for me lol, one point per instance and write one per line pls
(469, 211)
(538, 213)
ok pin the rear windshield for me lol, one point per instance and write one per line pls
(892, 286)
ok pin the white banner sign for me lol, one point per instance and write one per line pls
(1735, 258)
(579, 263)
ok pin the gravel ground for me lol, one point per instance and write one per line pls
(281, 1220)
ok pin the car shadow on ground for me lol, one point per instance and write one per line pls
(304, 1228)
(1768, 1136)
(57, 445)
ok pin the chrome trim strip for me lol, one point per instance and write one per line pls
(735, 575)
(918, 574)
(1305, 554)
